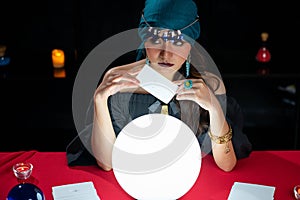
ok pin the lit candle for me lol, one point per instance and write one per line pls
(58, 58)
(22, 170)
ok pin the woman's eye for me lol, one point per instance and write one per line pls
(178, 43)
(155, 40)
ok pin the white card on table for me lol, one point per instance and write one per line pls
(247, 191)
(156, 84)
(84, 190)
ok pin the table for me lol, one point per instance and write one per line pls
(274, 168)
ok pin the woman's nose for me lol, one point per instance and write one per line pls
(166, 50)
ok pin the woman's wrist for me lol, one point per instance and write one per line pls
(224, 139)
(100, 98)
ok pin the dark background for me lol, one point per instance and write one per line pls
(36, 109)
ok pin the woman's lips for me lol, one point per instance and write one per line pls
(165, 64)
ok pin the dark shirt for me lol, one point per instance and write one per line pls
(125, 107)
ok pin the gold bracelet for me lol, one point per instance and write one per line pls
(222, 139)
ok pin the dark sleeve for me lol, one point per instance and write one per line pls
(234, 116)
(78, 151)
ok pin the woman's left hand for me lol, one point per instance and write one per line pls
(199, 93)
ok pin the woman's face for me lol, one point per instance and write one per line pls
(166, 56)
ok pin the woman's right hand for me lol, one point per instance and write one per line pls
(117, 79)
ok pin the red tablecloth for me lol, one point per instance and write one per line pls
(274, 168)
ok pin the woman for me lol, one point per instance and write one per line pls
(168, 30)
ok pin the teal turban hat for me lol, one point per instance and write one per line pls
(171, 14)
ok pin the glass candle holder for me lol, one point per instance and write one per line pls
(22, 170)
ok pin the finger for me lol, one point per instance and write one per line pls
(180, 88)
(196, 85)
(135, 71)
(185, 91)
(125, 77)
(178, 82)
(122, 71)
(113, 88)
(186, 96)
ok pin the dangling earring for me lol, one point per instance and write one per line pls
(147, 61)
(187, 66)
